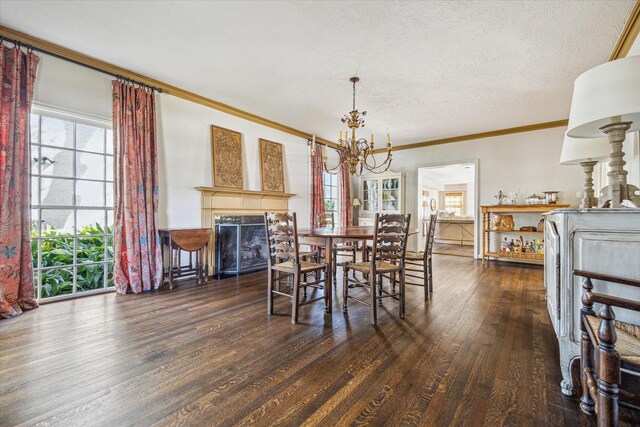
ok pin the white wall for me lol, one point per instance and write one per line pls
(184, 140)
(524, 162)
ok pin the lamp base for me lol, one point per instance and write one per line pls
(627, 192)
(618, 190)
(588, 200)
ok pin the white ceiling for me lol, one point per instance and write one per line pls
(437, 177)
(429, 70)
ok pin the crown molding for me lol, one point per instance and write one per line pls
(91, 62)
(480, 135)
(625, 41)
(629, 34)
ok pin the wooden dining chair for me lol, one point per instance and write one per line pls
(387, 259)
(608, 347)
(285, 263)
(419, 265)
(339, 249)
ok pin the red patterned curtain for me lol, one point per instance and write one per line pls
(346, 211)
(18, 71)
(138, 257)
(317, 190)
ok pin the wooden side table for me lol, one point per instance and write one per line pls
(191, 240)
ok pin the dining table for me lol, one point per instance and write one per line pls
(326, 237)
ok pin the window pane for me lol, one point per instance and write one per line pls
(57, 252)
(89, 138)
(110, 280)
(110, 222)
(90, 249)
(56, 132)
(57, 221)
(56, 162)
(109, 189)
(109, 171)
(90, 221)
(35, 223)
(57, 281)
(110, 248)
(89, 193)
(89, 166)
(34, 159)
(56, 192)
(90, 277)
(34, 125)
(34, 191)
(109, 141)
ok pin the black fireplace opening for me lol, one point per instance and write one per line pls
(241, 244)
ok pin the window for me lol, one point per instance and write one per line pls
(330, 182)
(454, 203)
(71, 204)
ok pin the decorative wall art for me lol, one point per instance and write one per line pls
(226, 158)
(271, 166)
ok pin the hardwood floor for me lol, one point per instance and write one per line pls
(452, 249)
(481, 352)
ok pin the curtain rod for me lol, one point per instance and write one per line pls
(19, 44)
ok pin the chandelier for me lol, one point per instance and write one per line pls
(354, 152)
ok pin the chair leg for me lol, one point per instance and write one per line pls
(374, 308)
(401, 299)
(296, 299)
(586, 369)
(345, 288)
(607, 400)
(425, 279)
(334, 266)
(379, 281)
(431, 275)
(607, 370)
(270, 292)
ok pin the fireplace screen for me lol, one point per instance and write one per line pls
(241, 244)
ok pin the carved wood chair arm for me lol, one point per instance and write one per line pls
(607, 278)
(614, 301)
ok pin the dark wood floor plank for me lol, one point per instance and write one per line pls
(481, 352)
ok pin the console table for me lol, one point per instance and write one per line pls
(190, 240)
(487, 211)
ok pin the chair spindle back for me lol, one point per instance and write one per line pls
(428, 244)
(282, 237)
(390, 237)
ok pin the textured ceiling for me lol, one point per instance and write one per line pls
(429, 70)
(439, 176)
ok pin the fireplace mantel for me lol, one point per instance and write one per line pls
(229, 201)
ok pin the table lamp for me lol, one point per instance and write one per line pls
(606, 100)
(586, 153)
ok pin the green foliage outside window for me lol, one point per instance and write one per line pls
(329, 205)
(59, 252)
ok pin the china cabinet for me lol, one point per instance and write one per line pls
(383, 193)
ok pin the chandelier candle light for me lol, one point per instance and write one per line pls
(357, 153)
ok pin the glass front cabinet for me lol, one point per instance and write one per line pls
(382, 193)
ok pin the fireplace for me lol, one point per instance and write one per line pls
(241, 244)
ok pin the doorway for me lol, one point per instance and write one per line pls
(450, 192)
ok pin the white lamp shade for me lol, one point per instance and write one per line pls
(578, 150)
(608, 93)
(356, 202)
